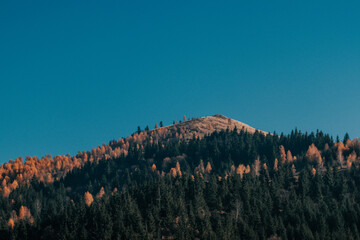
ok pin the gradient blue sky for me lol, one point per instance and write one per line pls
(75, 74)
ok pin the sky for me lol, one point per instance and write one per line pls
(76, 74)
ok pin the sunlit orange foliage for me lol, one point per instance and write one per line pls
(313, 154)
(24, 213)
(11, 223)
(173, 172)
(178, 171)
(3, 183)
(289, 157)
(341, 146)
(49, 179)
(313, 171)
(153, 167)
(114, 191)
(282, 154)
(14, 185)
(208, 167)
(247, 170)
(6, 191)
(265, 166)
(101, 193)
(240, 170)
(276, 162)
(88, 199)
(351, 158)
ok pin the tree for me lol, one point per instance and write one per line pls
(161, 124)
(276, 162)
(208, 167)
(346, 137)
(256, 167)
(289, 157)
(101, 193)
(282, 154)
(11, 223)
(88, 199)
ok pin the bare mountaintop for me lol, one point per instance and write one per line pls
(201, 127)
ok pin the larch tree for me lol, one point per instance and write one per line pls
(178, 170)
(88, 199)
(6, 192)
(153, 167)
(240, 170)
(11, 223)
(101, 193)
(282, 154)
(289, 157)
(313, 154)
(276, 162)
(208, 167)
(24, 213)
(351, 159)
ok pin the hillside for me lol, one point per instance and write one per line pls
(48, 169)
(167, 184)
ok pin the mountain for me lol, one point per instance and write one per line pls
(205, 178)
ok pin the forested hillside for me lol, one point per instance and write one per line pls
(222, 183)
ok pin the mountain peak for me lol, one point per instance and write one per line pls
(203, 126)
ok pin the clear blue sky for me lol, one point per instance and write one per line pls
(75, 74)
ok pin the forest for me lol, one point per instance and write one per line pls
(230, 184)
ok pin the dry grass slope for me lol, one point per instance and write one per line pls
(206, 125)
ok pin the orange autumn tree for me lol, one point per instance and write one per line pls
(289, 157)
(313, 154)
(11, 223)
(24, 214)
(88, 199)
(101, 193)
(276, 162)
(282, 154)
(208, 167)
